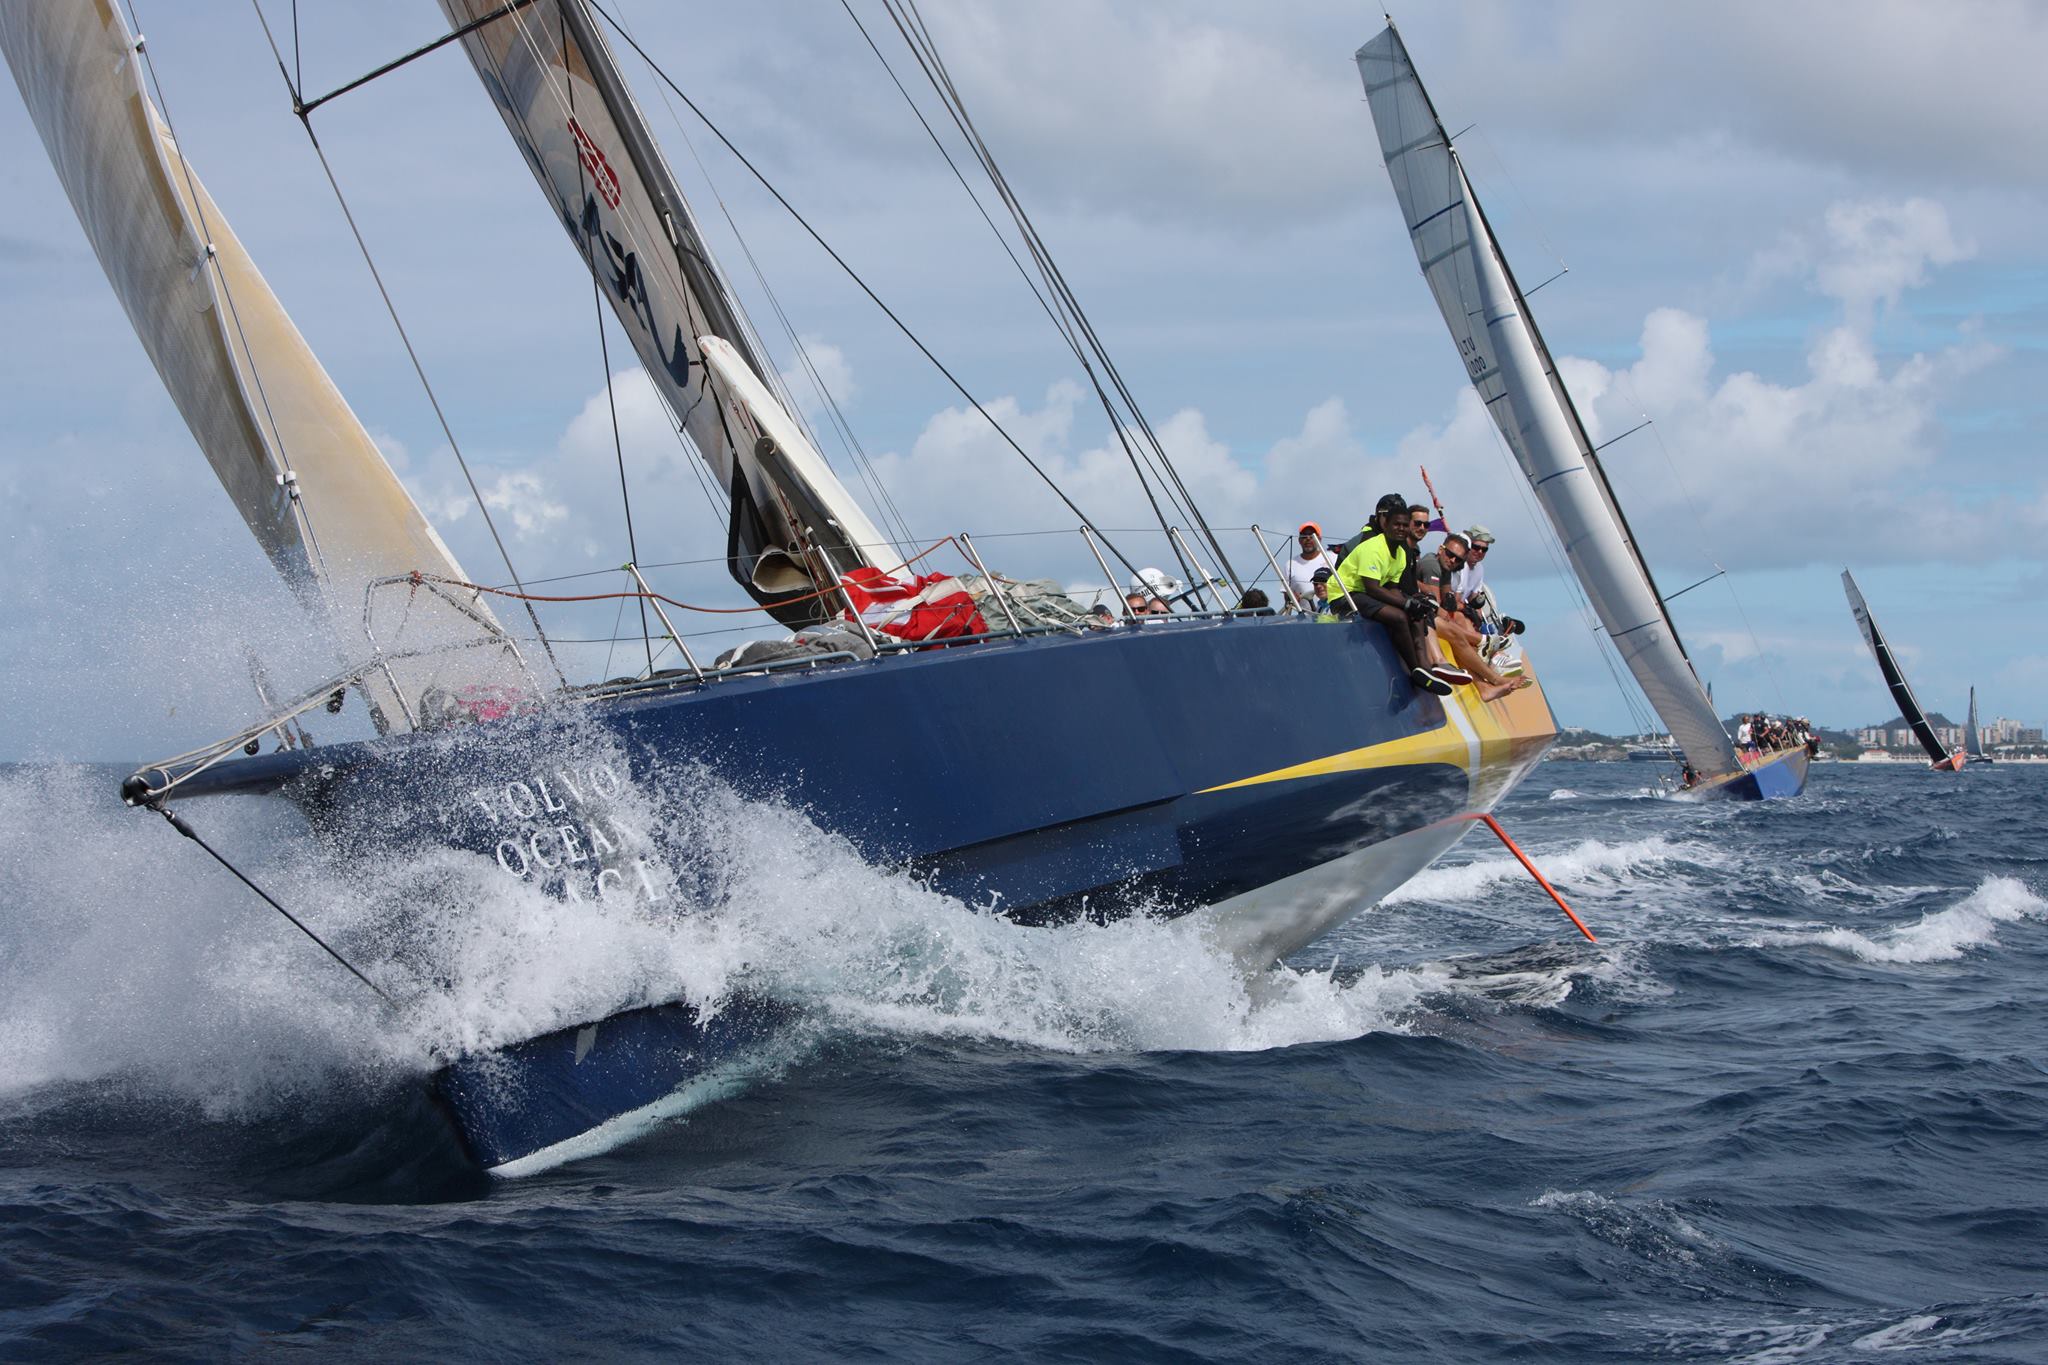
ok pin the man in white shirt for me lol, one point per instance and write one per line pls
(1467, 581)
(1301, 570)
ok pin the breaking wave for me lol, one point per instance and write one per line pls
(1937, 936)
(1589, 865)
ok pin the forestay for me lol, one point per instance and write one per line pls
(554, 80)
(300, 468)
(1512, 369)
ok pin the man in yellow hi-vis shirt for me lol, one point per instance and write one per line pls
(1369, 578)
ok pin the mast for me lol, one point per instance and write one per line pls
(1510, 365)
(557, 85)
(1894, 678)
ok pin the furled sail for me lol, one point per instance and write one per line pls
(1512, 369)
(307, 478)
(1902, 693)
(555, 82)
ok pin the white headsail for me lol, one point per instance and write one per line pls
(1508, 363)
(558, 88)
(307, 478)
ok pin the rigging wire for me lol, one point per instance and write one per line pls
(718, 290)
(619, 451)
(871, 477)
(911, 26)
(419, 369)
(699, 326)
(178, 824)
(1059, 321)
(612, 404)
(1186, 499)
(863, 285)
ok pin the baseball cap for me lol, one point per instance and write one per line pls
(1393, 502)
(1310, 526)
(1155, 582)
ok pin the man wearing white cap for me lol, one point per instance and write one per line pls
(1470, 579)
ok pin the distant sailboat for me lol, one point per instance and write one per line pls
(1508, 363)
(1902, 692)
(1973, 738)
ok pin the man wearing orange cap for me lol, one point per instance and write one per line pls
(1301, 570)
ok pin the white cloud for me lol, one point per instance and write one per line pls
(524, 496)
(833, 371)
(1877, 249)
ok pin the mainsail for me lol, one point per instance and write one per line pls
(1902, 692)
(300, 468)
(555, 82)
(1973, 739)
(1508, 363)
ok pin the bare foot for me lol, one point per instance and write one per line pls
(1495, 691)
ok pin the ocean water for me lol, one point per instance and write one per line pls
(1791, 1107)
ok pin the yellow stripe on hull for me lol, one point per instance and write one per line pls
(1511, 732)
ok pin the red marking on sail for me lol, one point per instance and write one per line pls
(595, 162)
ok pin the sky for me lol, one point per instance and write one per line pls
(1806, 241)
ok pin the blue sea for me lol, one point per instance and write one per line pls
(1789, 1108)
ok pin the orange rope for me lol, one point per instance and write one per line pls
(418, 578)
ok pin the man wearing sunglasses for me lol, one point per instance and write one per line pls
(1470, 579)
(1310, 555)
(1434, 573)
(1474, 600)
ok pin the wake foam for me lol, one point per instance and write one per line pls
(129, 960)
(1938, 935)
(1589, 865)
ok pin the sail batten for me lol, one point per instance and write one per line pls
(1508, 363)
(557, 86)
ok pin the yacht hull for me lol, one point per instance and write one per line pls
(1271, 775)
(1779, 775)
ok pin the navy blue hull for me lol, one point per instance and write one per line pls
(1169, 766)
(1780, 775)
(1034, 772)
(527, 1098)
